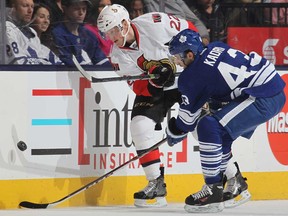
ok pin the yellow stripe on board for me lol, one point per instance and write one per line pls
(118, 190)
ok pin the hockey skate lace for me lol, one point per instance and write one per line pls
(206, 190)
(151, 186)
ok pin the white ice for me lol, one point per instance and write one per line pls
(252, 208)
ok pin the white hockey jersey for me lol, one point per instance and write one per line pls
(26, 50)
(152, 32)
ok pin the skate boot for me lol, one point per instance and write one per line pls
(209, 199)
(153, 195)
(236, 191)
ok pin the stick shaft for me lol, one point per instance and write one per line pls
(111, 79)
(31, 205)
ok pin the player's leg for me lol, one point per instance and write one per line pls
(210, 198)
(142, 131)
(240, 118)
(235, 187)
(147, 115)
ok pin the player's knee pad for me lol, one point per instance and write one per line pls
(209, 130)
(142, 132)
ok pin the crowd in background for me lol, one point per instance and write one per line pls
(52, 24)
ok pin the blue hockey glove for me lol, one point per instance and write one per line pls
(174, 135)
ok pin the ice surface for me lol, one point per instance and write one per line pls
(252, 208)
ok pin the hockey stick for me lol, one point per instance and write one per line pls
(109, 79)
(31, 205)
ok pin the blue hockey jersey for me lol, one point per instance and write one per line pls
(223, 74)
(84, 46)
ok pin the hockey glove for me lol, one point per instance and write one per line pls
(174, 135)
(166, 79)
(215, 105)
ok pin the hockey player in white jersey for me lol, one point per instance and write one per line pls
(252, 90)
(139, 49)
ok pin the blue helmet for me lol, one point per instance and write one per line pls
(186, 40)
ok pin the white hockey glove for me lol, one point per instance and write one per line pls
(174, 135)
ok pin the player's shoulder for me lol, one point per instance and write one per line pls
(151, 17)
(217, 44)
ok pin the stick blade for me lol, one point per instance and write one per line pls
(30, 205)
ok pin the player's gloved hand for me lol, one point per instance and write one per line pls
(174, 135)
(215, 105)
(166, 76)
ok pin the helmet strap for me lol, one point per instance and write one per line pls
(125, 35)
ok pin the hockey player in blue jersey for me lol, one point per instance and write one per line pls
(251, 89)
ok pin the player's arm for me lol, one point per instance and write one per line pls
(190, 110)
(154, 87)
(164, 69)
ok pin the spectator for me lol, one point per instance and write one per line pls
(242, 16)
(277, 16)
(102, 4)
(104, 43)
(72, 38)
(23, 44)
(210, 14)
(55, 10)
(41, 24)
(181, 10)
(40, 19)
(136, 8)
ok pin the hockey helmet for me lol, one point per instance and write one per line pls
(111, 16)
(186, 40)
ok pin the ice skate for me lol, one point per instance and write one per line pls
(209, 199)
(236, 191)
(153, 195)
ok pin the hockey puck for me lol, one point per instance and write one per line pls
(22, 145)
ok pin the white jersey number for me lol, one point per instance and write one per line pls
(234, 75)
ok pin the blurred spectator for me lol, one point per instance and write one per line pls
(102, 4)
(244, 16)
(104, 43)
(72, 38)
(181, 10)
(210, 14)
(136, 8)
(40, 19)
(55, 10)
(23, 44)
(41, 24)
(277, 16)
(8, 3)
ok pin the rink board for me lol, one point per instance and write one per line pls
(76, 131)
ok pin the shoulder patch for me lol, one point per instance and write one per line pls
(156, 17)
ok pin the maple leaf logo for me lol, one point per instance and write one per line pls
(182, 39)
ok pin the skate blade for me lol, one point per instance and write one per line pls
(209, 208)
(158, 202)
(242, 198)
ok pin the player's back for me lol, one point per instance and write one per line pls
(229, 73)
